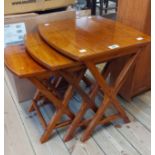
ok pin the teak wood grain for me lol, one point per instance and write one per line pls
(89, 37)
(46, 55)
(20, 63)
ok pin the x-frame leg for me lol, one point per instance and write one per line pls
(36, 98)
(77, 122)
(109, 95)
(61, 108)
(88, 102)
(61, 105)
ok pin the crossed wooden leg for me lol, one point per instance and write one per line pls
(89, 104)
(50, 92)
(79, 116)
(110, 93)
(35, 98)
(61, 107)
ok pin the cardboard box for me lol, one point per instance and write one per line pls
(31, 22)
(18, 16)
(52, 4)
(21, 89)
(23, 6)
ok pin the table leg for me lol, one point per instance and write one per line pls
(109, 94)
(88, 4)
(88, 102)
(78, 119)
(35, 98)
(93, 7)
(61, 106)
(49, 95)
(77, 122)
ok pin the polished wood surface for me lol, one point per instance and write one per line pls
(87, 40)
(90, 37)
(45, 55)
(136, 14)
(20, 63)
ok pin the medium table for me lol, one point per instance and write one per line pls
(63, 67)
(92, 40)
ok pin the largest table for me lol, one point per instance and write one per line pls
(92, 40)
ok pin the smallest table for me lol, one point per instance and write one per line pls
(92, 40)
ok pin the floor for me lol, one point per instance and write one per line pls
(23, 130)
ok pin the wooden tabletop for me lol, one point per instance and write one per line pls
(20, 63)
(45, 55)
(90, 37)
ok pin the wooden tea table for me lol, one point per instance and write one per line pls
(72, 71)
(22, 65)
(92, 40)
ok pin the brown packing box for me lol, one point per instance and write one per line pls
(48, 4)
(23, 6)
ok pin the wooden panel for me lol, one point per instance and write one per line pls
(86, 148)
(112, 142)
(136, 14)
(146, 98)
(142, 106)
(74, 146)
(138, 136)
(138, 112)
(142, 77)
(132, 138)
(30, 122)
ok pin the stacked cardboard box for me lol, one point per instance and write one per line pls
(22, 6)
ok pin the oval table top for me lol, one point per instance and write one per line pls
(45, 55)
(20, 63)
(90, 37)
